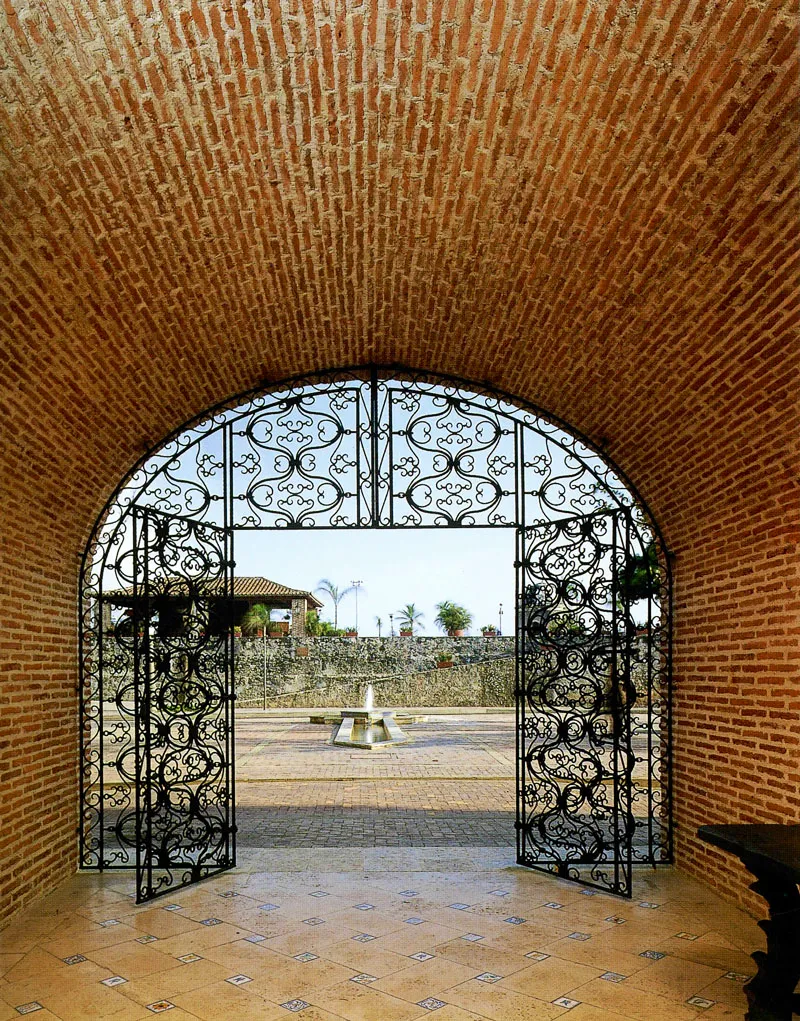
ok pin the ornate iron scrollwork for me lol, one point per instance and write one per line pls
(577, 698)
(384, 449)
(183, 713)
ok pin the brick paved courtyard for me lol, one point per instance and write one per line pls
(452, 785)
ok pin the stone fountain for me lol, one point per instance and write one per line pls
(368, 727)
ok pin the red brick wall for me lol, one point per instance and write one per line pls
(591, 205)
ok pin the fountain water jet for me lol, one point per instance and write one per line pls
(368, 727)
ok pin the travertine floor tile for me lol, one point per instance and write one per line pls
(674, 978)
(423, 979)
(547, 980)
(143, 949)
(233, 1003)
(501, 1004)
(634, 1003)
(363, 1003)
(482, 957)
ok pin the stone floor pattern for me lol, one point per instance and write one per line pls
(382, 936)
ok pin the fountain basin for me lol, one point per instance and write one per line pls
(368, 728)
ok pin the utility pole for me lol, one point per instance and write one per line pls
(500, 620)
(356, 586)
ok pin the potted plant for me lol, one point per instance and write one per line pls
(237, 631)
(409, 618)
(444, 659)
(350, 632)
(452, 618)
(488, 630)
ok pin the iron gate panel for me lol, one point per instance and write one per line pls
(183, 702)
(574, 700)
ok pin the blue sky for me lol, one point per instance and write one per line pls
(470, 566)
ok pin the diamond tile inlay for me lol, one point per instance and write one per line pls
(296, 1005)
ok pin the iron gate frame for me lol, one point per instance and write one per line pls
(168, 728)
(376, 494)
(590, 671)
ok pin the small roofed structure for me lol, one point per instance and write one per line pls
(248, 591)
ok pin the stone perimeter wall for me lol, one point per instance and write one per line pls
(331, 672)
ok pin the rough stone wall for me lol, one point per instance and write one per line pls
(335, 671)
(592, 206)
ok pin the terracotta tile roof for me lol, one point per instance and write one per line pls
(246, 587)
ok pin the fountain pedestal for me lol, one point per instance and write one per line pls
(368, 728)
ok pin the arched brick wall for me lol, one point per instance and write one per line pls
(592, 206)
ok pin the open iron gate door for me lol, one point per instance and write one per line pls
(183, 703)
(575, 694)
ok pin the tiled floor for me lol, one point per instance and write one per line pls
(379, 935)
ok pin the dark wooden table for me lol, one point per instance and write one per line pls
(772, 855)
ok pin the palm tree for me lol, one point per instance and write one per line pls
(409, 617)
(257, 617)
(379, 623)
(336, 595)
(451, 617)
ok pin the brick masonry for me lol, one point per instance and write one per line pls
(593, 206)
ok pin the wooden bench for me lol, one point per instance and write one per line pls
(772, 855)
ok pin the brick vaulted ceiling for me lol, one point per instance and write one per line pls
(197, 195)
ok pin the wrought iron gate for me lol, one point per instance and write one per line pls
(183, 701)
(575, 697)
(385, 448)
